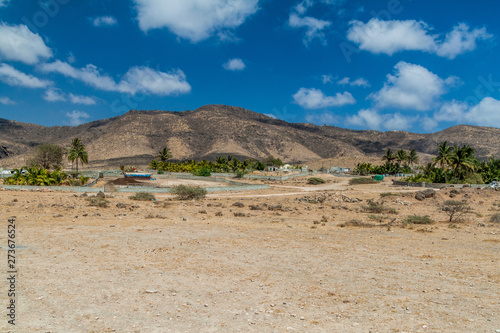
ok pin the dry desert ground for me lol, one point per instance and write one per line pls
(286, 259)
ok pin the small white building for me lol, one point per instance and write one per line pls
(339, 170)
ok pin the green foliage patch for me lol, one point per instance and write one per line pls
(142, 196)
(315, 181)
(362, 180)
(186, 192)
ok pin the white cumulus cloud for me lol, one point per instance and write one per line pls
(389, 37)
(452, 111)
(13, 77)
(366, 118)
(4, 3)
(54, 95)
(429, 124)
(104, 21)
(77, 117)
(327, 78)
(372, 119)
(461, 40)
(148, 81)
(18, 43)
(412, 87)
(88, 74)
(235, 64)
(398, 122)
(194, 20)
(360, 82)
(486, 113)
(311, 98)
(136, 80)
(6, 101)
(314, 27)
(78, 99)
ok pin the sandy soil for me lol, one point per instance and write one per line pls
(174, 266)
(158, 182)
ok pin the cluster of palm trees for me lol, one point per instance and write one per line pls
(222, 164)
(457, 164)
(36, 176)
(395, 162)
(401, 157)
(226, 163)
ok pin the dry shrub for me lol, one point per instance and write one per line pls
(495, 218)
(362, 180)
(378, 208)
(98, 202)
(142, 196)
(357, 223)
(455, 210)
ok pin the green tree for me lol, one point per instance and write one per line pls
(164, 154)
(412, 157)
(77, 153)
(443, 158)
(462, 161)
(490, 171)
(258, 165)
(401, 156)
(48, 156)
(363, 169)
(389, 156)
(271, 161)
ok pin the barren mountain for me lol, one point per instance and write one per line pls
(212, 130)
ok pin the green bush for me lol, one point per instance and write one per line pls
(185, 192)
(315, 181)
(418, 219)
(362, 180)
(389, 194)
(378, 218)
(142, 196)
(239, 174)
(84, 180)
(203, 172)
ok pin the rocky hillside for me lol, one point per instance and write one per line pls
(213, 130)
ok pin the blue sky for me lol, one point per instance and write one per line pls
(420, 66)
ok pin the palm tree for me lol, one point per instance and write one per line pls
(164, 154)
(401, 156)
(389, 156)
(443, 157)
(412, 157)
(77, 153)
(462, 161)
(234, 164)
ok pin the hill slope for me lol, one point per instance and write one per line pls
(213, 130)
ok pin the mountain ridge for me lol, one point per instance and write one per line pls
(213, 130)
